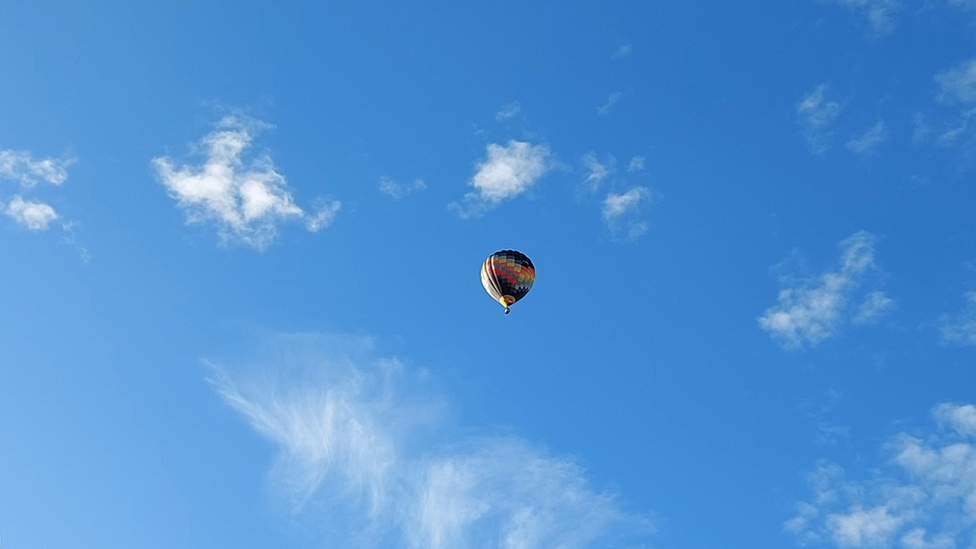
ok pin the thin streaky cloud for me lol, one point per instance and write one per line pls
(612, 100)
(920, 497)
(35, 216)
(396, 191)
(622, 212)
(960, 328)
(510, 110)
(245, 198)
(22, 167)
(507, 172)
(366, 438)
(816, 115)
(869, 141)
(812, 310)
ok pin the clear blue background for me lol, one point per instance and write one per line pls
(643, 358)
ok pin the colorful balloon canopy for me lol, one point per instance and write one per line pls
(507, 276)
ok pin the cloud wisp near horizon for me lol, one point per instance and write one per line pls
(370, 439)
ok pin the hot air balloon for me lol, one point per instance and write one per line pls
(507, 276)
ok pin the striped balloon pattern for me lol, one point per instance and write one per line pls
(507, 276)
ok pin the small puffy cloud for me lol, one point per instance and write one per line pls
(960, 328)
(636, 164)
(396, 191)
(923, 496)
(364, 443)
(22, 167)
(510, 110)
(869, 141)
(597, 171)
(815, 115)
(508, 172)
(612, 100)
(246, 198)
(36, 216)
(880, 14)
(810, 311)
(621, 212)
(623, 51)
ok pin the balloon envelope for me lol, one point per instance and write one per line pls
(507, 276)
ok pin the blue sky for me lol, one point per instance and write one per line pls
(240, 303)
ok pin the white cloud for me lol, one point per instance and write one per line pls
(880, 14)
(324, 215)
(246, 200)
(960, 328)
(367, 438)
(23, 168)
(636, 164)
(958, 85)
(922, 497)
(596, 171)
(508, 171)
(875, 305)
(612, 100)
(957, 94)
(816, 114)
(623, 51)
(870, 140)
(810, 311)
(36, 216)
(621, 212)
(396, 191)
(510, 110)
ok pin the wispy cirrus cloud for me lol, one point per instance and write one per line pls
(811, 310)
(922, 497)
(367, 438)
(960, 328)
(636, 164)
(597, 171)
(816, 115)
(869, 141)
(623, 50)
(622, 212)
(396, 191)
(612, 101)
(875, 305)
(507, 172)
(880, 14)
(510, 110)
(953, 127)
(246, 198)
